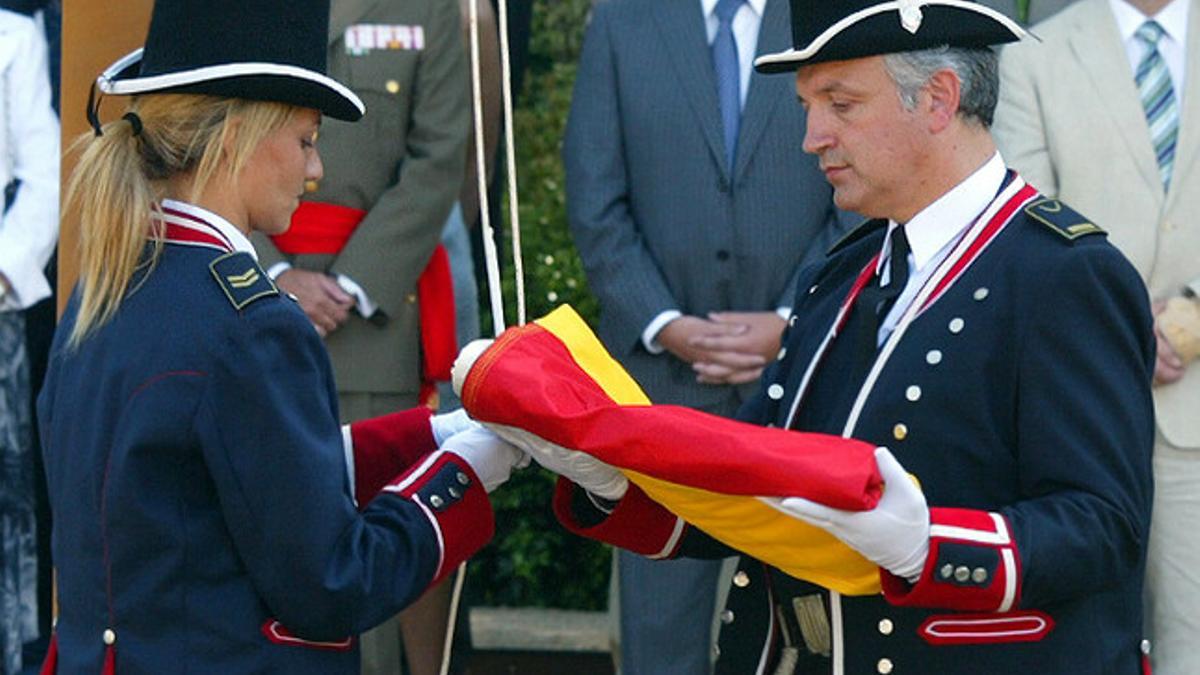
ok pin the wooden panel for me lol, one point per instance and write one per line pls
(94, 35)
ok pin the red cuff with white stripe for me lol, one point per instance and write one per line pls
(387, 445)
(973, 565)
(456, 504)
(637, 523)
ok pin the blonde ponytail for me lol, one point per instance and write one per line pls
(121, 177)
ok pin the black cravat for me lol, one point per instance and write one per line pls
(874, 303)
(841, 374)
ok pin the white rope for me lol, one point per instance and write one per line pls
(491, 255)
(511, 159)
(489, 238)
(448, 642)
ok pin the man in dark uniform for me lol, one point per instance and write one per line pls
(992, 338)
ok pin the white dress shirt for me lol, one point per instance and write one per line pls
(29, 150)
(934, 231)
(1173, 45)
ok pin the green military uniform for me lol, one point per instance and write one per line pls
(403, 165)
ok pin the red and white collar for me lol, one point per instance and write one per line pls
(189, 225)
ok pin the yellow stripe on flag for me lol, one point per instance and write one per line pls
(744, 523)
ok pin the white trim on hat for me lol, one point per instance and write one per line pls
(796, 55)
(138, 85)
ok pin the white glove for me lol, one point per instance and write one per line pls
(893, 535)
(446, 425)
(466, 358)
(492, 458)
(578, 467)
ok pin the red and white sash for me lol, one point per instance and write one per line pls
(971, 245)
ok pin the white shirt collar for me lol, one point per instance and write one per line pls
(240, 242)
(1173, 18)
(710, 6)
(940, 222)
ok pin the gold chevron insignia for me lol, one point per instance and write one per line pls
(243, 280)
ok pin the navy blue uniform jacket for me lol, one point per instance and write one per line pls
(203, 512)
(1021, 401)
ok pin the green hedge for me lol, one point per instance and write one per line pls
(532, 561)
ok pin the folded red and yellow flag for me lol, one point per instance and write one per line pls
(554, 379)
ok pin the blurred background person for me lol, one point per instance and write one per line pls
(1103, 113)
(29, 150)
(693, 207)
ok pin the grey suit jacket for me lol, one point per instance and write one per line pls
(659, 220)
(1071, 122)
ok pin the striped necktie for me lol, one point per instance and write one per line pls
(1158, 99)
(725, 65)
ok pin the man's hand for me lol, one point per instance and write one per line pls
(319, 295)
(893, 535)
(738, 356)
(1168, 367)
(578, 467)
(679, 336)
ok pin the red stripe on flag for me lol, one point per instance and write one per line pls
(564, 405)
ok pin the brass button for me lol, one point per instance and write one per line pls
(886, 627)
(913, 393)
(884, 666)
(947, 571)
(311, 185)
(900, 431)
(392, 86)
(741, 579)
(411, 298)
(782, 353)
(956, 325)
(979, 575)
(962, 573)
(437, 502)
(1145, 647)
(462, 478)
(775, 392)
(981, 293)
(110, 636)
(727, 617)
(934, 357)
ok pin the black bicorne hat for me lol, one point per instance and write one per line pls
(263, 50)
(836, 30)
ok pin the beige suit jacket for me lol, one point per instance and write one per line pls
(1070, 121)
